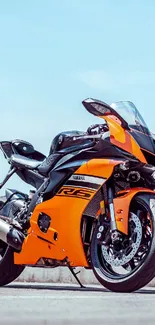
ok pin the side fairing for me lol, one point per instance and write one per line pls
(65, 209)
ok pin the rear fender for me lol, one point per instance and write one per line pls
(122, 206)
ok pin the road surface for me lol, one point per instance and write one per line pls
(51, 304)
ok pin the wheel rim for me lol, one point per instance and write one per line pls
(122, 261)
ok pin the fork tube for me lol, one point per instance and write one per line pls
(111, 208)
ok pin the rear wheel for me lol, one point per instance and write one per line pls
(129, 264)
(8, 270)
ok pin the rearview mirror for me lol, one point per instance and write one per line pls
(97, 107)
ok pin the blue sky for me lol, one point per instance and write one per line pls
(53, 54)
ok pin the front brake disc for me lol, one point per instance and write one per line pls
(124, 257)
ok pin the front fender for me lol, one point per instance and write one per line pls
(122, 206)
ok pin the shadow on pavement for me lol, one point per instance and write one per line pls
(146, 291)
(54, 287)
(58, 287)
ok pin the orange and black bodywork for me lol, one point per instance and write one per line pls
(67, 206)
(63, 238)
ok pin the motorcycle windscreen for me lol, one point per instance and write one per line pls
(138, 128)
(129, 117)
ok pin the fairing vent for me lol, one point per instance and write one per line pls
(94, 205)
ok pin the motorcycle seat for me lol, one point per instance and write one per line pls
(43, 168)
(20, 161)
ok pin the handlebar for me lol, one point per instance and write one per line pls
(100, 128)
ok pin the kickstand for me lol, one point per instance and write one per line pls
(75, 276)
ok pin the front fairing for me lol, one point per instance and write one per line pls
(128, 130)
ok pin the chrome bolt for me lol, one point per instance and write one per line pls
(101, 228)
(98, 235)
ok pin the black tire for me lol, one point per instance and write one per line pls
(8, 270)
(144, 273)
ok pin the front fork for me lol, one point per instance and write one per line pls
(111, 209)
(113, 234)
(119, 208)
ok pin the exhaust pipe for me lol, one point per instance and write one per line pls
(11, 236)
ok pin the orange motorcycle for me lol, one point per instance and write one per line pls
(93, 204)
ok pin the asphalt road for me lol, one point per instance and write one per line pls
(48, 304)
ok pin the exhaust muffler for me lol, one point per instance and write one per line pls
(11, 235)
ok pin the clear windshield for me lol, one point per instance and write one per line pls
(128, 111)
(140, 131)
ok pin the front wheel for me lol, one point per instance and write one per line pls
(130, 264)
